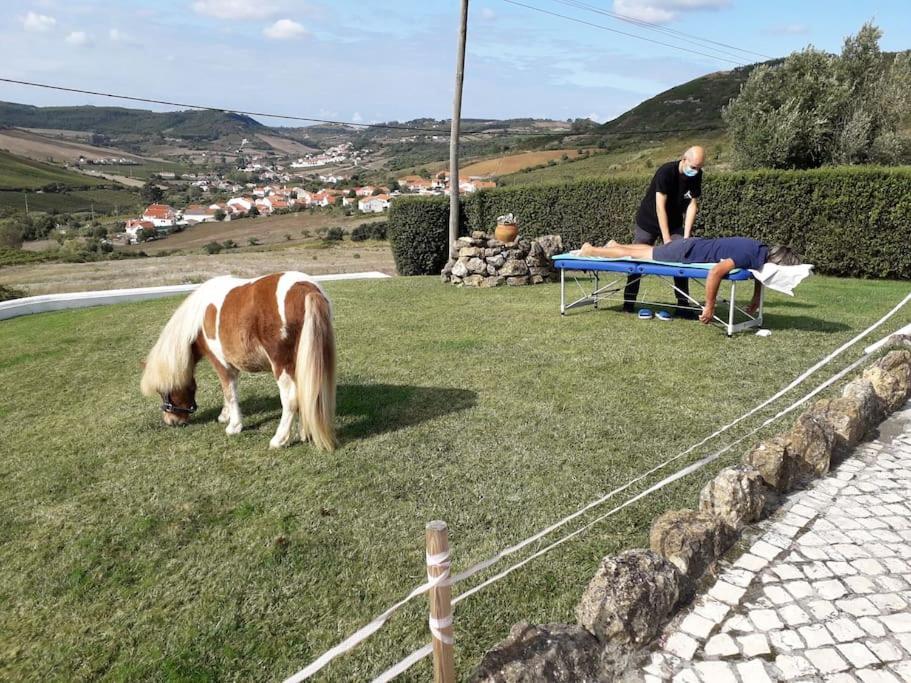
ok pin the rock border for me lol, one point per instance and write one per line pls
(633, 595)
(481, 260)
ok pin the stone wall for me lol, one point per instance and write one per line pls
(483, 261)
(634, 594)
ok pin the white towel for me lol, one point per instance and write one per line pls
(782, 278)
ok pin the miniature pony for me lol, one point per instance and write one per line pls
(280, 323)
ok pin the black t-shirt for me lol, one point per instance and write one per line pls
(679, 189)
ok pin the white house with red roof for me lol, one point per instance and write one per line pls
(323, 198)
(196, 213)
(375, 204)
(133, 226)
(240, 204)
(160, 215)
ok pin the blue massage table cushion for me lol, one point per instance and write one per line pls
(643, 267)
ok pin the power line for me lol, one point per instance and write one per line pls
(624, 33)
(657, 27)
(440, 132)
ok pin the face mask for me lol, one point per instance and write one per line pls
(690, 172)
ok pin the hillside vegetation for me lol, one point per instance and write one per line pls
(122, 121)
(694, 104)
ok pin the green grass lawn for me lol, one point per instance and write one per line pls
(131, 551)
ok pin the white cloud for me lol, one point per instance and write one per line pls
(487, 14)
(38, 22)
(117, 35)
(235, 9)
(663, 11)
(283, 29)
(356, 117)
(78, 38)
(596, 118)
(789, 29)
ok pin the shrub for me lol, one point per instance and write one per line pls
(335, 235)
(11, 234)
(213, 248)
(7, 293)
(229, 244)
(848, 221)
(370, 231)
(379, 230)
(360, 233)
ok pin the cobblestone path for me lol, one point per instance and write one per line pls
(824, 591)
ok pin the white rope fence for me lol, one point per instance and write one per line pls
(366, 631)
(420, 653)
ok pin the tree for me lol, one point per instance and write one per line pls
(146, 234)
(816, 108)
(219, 215)
(151, 193)
(10, 234)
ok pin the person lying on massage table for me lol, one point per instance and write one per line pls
(727, 252)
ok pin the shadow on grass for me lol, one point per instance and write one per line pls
(379, 408)
(776, 321)
(364, 410)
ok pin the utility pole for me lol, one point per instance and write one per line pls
(454, 130)
(25, 194)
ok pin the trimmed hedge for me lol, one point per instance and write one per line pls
(418, 234)
(848, 221)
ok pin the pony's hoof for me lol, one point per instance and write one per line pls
(233, 429)
(223, 418)
(275, 443)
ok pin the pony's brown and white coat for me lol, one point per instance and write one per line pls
(280, 322)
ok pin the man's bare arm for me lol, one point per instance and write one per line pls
(691, 212)
(661, 210)
(757, 295)
(713, 282)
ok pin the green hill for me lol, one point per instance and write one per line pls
(18, 173)
(198, 125)
(694, 104)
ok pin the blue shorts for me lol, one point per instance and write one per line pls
(674, 251)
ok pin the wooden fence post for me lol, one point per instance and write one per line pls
(440, 597)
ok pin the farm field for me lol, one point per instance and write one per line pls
(514, 162)
(75, 201)
(131, 551)
(31, 143)
(18, 172)
(643, 158)
(315, 259)
(267, 229)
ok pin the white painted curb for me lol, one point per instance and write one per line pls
(55, 302)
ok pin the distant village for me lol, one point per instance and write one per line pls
(251, 199)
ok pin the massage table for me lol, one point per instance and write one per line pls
(620, 268)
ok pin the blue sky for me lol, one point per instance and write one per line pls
(365, 60)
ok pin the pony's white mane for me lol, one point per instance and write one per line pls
(169, 365)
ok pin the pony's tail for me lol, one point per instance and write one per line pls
(314, 373)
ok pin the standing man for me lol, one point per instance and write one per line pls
(668, 212)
